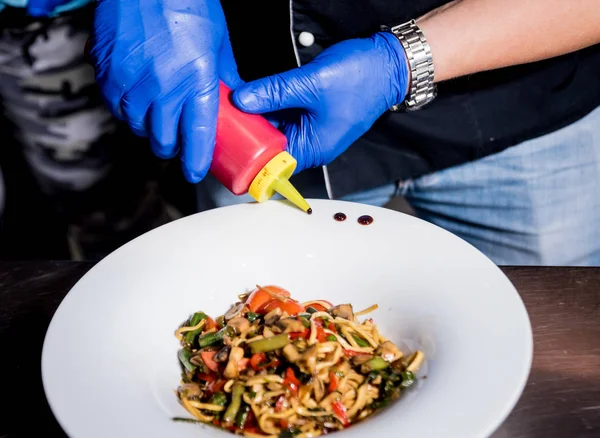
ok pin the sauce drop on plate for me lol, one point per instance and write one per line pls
(340, 217)
(365, 220)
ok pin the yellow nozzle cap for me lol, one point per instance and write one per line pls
(274, 177)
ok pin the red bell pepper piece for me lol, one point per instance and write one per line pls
(295, 335)
(291, 382)
(340, 411)
(207, 377)
(331, 327)
(333, 381)
(258, 362)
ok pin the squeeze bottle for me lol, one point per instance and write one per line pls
(250, 155)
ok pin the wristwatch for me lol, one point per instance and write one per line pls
(418, 53)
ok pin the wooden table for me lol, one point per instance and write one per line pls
(562, 397)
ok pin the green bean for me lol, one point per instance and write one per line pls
(360, 341)
(213, 338)
(311, 310)
(242, 416)
(219, 398)
(189, 337)
(236, 401)
(269, 344)
(408, 378)
(305, 322)
(184, 356)
(374, 364)
(331, 338)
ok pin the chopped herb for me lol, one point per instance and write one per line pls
(187, 420)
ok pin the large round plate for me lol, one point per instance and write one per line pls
(109, 362)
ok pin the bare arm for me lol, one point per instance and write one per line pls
(469, 36)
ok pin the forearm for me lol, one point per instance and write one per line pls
(469, 36)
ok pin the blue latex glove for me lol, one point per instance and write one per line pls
(49, 8)
(158, 64)
(338, 96)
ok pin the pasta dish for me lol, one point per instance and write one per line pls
(272, 366)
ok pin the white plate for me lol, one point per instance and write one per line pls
(109, 362)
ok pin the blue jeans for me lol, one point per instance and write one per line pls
(536, 203)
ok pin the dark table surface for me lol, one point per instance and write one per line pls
(562, 397)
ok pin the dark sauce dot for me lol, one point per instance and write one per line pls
(309, 211)
(365, 220)
(340, 217)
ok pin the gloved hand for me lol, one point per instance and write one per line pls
(44, 8)
(158, 65)
(333, 100)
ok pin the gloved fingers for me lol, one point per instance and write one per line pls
(166, 83)
(98, 51)
(291, 89)
(303, 142)
(228, 71)
(197, 130)
(42, 8)
(163, 126)
(135, 104)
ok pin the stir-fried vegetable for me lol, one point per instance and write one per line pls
(274, 366)
(234, 406)
(269, 344)
(213, 338)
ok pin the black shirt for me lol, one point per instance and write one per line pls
(472, 117)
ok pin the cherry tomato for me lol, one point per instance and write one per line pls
(260, 297)
(319, 307)
(288, 306)
(208, 359)
(210, 324)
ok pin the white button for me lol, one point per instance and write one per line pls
(306, 39)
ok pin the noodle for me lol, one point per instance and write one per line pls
(367, 310)
(285, 371)
(181, 330)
